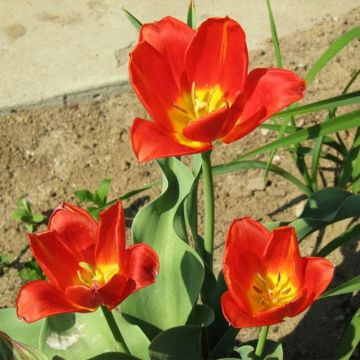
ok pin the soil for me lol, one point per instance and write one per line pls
(47, 154)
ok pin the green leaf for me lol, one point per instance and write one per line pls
(334, 48)
(84, 195)
(137, 24)
(14, 350)
(20, 330)
(350, 340)
(20, 214)
(103, 191)
(182, 342)
(201, 316)
(168, 302)
(131, 193)
(330, 103)
(350, 234)
(342, 122)
(72, 336)
(226, 343)
(241, 165)
(191, 16)
(38, 218)
(324, 207)
(114, 356)
(30, 228)
(274, 36)
(347, 287)
(247, 352)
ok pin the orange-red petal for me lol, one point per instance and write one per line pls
(149, 142)
(143, 265)
(216, 124)
(170, 37)
(58, 262)
(85, 298)
(217, 55)
(153, 82)
(76, 229)
(110, 244)
(114, 291)
(39, 299)
(267, 92)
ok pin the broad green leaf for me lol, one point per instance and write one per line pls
(191, 16)
(241, 165)
(330, 103)
(114, 356)
(333, 50)
(38, 218)
(226, 343)
(201, 316)
(134, 21)
(274, 36)
(84, 195)
(182, 342)
(342, 122)
(247, 352)
(14, 350)
(350, 339)
(82, 336)
(103, 190)
(20, 215)
(168, 302)
(273, 351)
(350, 234)
(324, 207)
(20, 330)
(345, 288)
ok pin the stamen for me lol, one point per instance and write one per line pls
(257, 290)
(181, 108)
(262, 279)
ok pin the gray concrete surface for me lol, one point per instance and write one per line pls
(59, 51)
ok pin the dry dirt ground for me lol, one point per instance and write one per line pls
(47, 154)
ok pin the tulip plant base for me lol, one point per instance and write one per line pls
(47, 154)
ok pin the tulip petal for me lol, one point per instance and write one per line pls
(114, 291)
(58, 262)
(76, 229)
(216, 124)
(283, 255)
(150, 142)
(170, 37)
(39, 299)
(267, 91)
(217, 55)
(110, 245)
(319, 273)
(86, 298)
(153, 82)
(143, 265)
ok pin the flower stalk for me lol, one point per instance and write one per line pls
(209, 208)
(110, 319)
(262, 341)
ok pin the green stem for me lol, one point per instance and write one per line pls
(209, 208)
(114, 329)
(261, 342)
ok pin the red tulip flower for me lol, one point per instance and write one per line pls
(86, 264)
(267, 279)
(196, 87)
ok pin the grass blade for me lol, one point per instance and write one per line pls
(255, 164)
(330, 103)
(191, 15)
(350, 234)
(334, 48)
(347, 287)
(136, 22)
(339, 123)
(351, 338)
(274, 36)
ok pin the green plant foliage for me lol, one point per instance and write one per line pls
(31, 271)
(24, 214)
(99, 197)
(347, 287)
(272, 351)
(191, 16)
(323, 208)
(14, 350)
(350, 340)
(169, 301)
(133, 20)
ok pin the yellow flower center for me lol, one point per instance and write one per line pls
(270, 291)
(199, 103)
(97, 277)
(193, 105)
